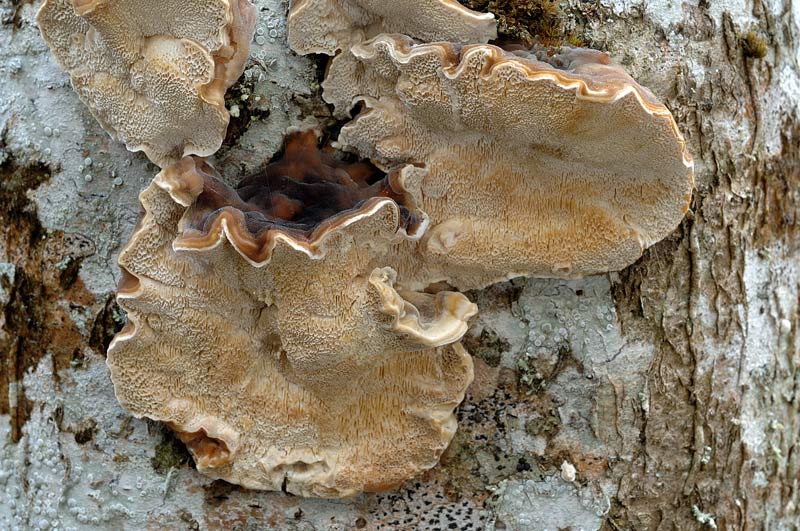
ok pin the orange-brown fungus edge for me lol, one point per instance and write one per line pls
(207, 451)
(303, 195)
(128, 283)
(603, 86)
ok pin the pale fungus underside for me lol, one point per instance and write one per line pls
(274, 325)
(153, 72)
(535, 163)
(283, 358)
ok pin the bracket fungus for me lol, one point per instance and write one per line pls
(259, 331)
(331, 26)
(153, 72)
(327, 26)
(532, 164)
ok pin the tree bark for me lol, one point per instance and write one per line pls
(664, 396)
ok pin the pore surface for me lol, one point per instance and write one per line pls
(304, 367)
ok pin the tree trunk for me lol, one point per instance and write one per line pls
(664, 396)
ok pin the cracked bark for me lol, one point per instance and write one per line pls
(682, 415)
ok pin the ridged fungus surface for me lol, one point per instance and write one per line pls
(327, 26)
(333, 27)
(153, 72)
(260, 329)
(532, 162)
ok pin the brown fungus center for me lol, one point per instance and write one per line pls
(306, 189)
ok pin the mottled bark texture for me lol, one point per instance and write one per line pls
(661, 397)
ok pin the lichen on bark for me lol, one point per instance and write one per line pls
(682, 413)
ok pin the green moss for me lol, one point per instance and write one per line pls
(527, 21)
(488, 346)
(753, 45)
(170, 453)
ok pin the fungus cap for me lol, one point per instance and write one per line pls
(534, 164)
(153, 72)
(302, 367)
(330, 26)
(327, 26)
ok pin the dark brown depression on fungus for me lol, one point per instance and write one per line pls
(304, 193)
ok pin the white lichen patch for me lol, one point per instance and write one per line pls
(672, 12)
(59, 132)
(33, 473)
(772, 282)
(574, 351)
(782, 96)
(549, 504)
(567, 318)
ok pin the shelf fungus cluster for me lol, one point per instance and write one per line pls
(536, 164)
(259, 332)
(333, 27)
(153, 72)
(545, 162)
(288, 329)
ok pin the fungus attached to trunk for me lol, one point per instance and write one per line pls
(153, 72)
(303, 196)
(535, 163)
(262, 332)
(332, 27)
(328, 26)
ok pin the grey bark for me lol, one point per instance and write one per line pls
(661, 397)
